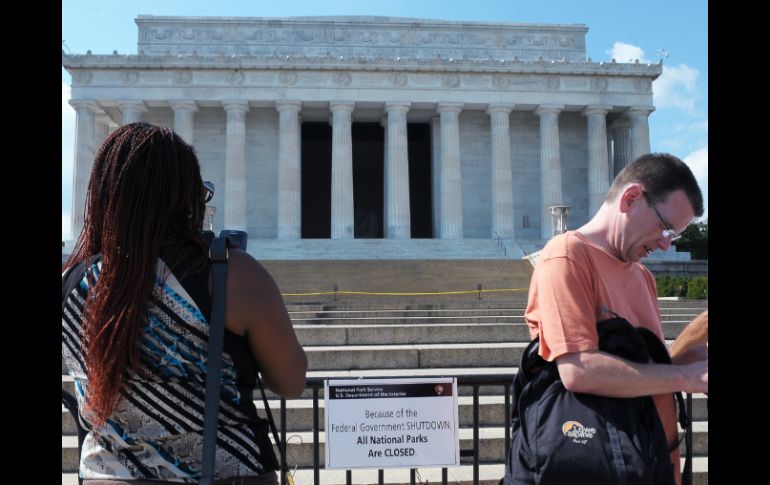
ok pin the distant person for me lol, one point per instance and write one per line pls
(135, 325)
(593, 274)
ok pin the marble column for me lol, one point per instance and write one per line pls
(501, 182)
(610, 157)
(235, 165)
(85, 149)
(640, 130)
(342, 169)
(132, 111)
(289, 170)
(451, 177)
(398, 225)
(598, 167)
(550, 164)
(184, 113)
(384, 125)
(435, 170)
(621, 145)
(101, 129)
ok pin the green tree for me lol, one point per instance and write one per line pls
(695, 239)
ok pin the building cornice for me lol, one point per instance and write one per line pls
(298, 63)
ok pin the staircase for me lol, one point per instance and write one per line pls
(344, 249)
(405, 337)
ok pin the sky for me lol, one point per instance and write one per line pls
(675, 31)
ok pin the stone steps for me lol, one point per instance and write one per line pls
(383, 279)
(356, 334)
(368, 249)
(355, 357)
(414, 338)
(491, 446)
(380, 334)
(509, 301)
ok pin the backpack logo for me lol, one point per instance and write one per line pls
(579, 433)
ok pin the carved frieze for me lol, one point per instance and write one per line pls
(384, 77)
(368, 37)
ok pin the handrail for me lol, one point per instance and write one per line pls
(501, 244)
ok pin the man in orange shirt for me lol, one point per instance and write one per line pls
(593, 273)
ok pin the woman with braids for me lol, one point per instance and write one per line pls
(136, 295)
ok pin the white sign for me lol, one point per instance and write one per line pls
(390, 423)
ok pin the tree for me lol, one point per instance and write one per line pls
(695, 239)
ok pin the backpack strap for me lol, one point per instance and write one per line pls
(659, 354)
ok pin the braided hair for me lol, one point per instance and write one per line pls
(145, 193)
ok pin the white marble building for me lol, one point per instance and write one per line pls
(375, 137)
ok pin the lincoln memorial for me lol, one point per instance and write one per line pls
(375, 137)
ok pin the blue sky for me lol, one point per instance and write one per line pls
(674, 30)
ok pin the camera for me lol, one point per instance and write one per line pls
(237, 238)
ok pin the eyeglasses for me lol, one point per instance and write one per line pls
(669, 231)
(208, 188)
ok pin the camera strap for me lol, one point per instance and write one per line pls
(219, 257)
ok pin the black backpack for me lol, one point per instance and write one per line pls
(563, 437)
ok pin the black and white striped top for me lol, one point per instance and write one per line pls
(155, 432)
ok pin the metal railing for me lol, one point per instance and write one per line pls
(316, 383)
(501, 244)
(503, 380)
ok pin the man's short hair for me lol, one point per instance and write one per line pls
(660, 174)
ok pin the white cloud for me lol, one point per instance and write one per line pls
(677, 87)
(623, 52)
(698, 161)
(67, 155)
